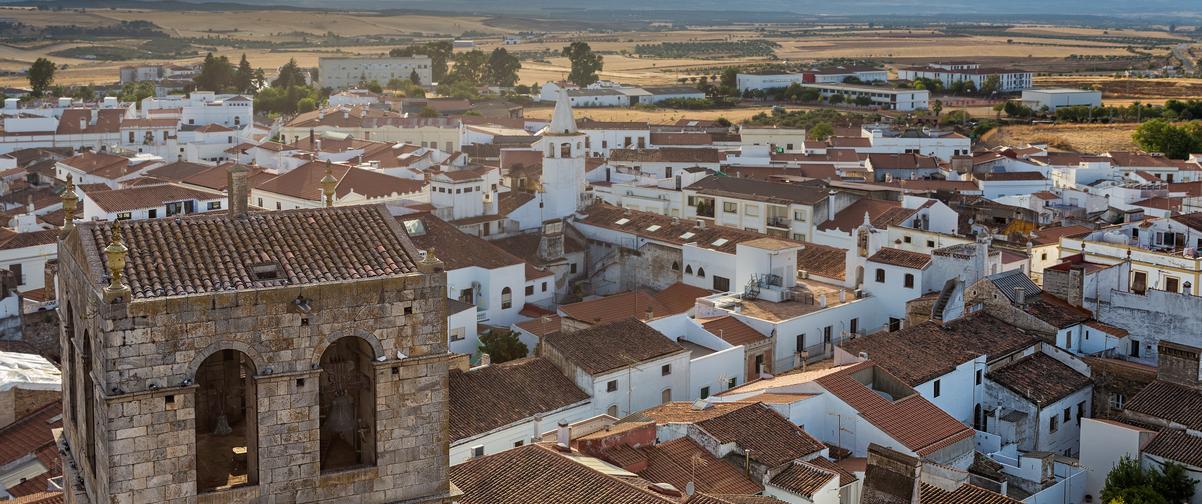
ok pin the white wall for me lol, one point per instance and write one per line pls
(466, 321)
(504, 438)
(640, 386)
(1103, 445)
(959, 392)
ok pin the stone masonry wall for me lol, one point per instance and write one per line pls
(148, 351)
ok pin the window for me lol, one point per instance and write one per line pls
(731, 384)
(1117, 401)
(152, 213)
(665, 370)
(930, 243)
(1053, 424)
(909, 281)
(1080, 412)
(880, 275)
(729, 207)
(529, 290)
(15, 269)
(979, 373)
(701, 272)
(937, 391)
(799, 215)
(688, 269)
(854, 325)
(705, 392)
(544, 286)
(612, 411)
(751, 210)
(907, 239)
(1068, 414)
(721, 284)
(458, 333)
(611, 386)
(665, 397)
(346, 400)
(1043, 256)
(506, 298)
(278, 206)
(518, 444)
(801, 342)
(675, 266)
(1068, 340)
(1139, 282)
(1134, 348)
(1172, 284)
(214, 205)
(572, 268)
(478, 451)
(224, 420)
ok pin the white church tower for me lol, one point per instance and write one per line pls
(563, 163)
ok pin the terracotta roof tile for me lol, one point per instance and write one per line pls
(614, 307)
(148, 196)
(684, 412)
(304, 182)
(1170, 402)
(680, 297)
(1040, 379)
(535, 474)
(31, 433)
(212, 252)
(1050, 235)
(902, 258)
(731, 330)
(822, 260)
(881, 213)
(772, 439)
(803, 479)
(666, 229)
(29, 239)
(759, 190)
(614, 345)
(672, 462)
(686, 155)
(487, 398)
(1178, 446)
(845, 476)
(456, 248)
(912, 421)
(1011, 176)
(964, 494)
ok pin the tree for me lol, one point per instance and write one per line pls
(244, 76)
(290, 75)
(415, 78)
(469, 67)
(374, 86)
(428, 112)
(502, 345)
(216, 74)
(822, 131)
(502, 69)
(1174, 141)
(85, 93)
(1174, 483)
(835, 99)
(1131, 483)
(991, 85)
(585, 63)
(730, 80)
(260, 78)
(439, 53)
(41, 76)
(937, 108)
(137, 91)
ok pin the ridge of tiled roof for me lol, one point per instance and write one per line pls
(1040, 379)
(612, 345)
(487, 398)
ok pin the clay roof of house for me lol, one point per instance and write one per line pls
(684, 412)
(912, 421)
(537, 474)
(487, 398)
(845, 476)
(31, 433)
(525, 246)
(666, 229)
(733, 331)
(92, 162)
(456, 248)
(881, 214)
(1010, 176)
(902, 258)
(107, 121)
(703, 498)
(512, 200)
(538, 327)
(1052, 235)
(147, 196)
(772, 439)
(922, 352)
(935, 185)
(1055, 311)
(759, 190)
(1131, 159)
(1178, 446)
(40, 498)
(888, 161)
(29, 239)
(964, 494)
(681, 138)
(202, 253)
(1107, 328)
(304, 182)
(685, 155)
(176, 171)
(672, 462)
(822, 260)
(608, 346)
(782, 173)
(1170, 402)
(217, 178)
(803, 479)
(154, 122)
(213, 128)
(1040, 379)
(615, 307)
(1161, 203)
(680, 297)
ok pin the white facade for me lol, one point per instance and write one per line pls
(750, 82)
(639, 386)
(904, 100)
(343, 72)
(462, 334)
(1056, 98)
(1010, 80)
(522, 431)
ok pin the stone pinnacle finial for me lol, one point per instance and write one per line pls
(328, 184)
(430, 263)
(114, 255)
(70, 202)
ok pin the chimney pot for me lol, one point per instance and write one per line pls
(1020, 296)
(563, 437)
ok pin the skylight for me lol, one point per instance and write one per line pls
(414, 227)
(622, 222)
(720, 242)
(687, 235)
(653, 228)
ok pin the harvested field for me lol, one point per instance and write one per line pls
(1089, 138)
(657, 116)
(1129, 89)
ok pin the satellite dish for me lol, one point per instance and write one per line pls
(689, 489)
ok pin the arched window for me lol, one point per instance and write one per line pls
(612, 411)
(665, 397)
(226, 422)
(701, 272)
(550, 150)
(506, 298)
(675, 266)
(89, 396)
(909, 280)
(347, 405)
(688, 269)
(565, 150)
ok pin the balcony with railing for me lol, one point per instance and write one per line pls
(778, 217)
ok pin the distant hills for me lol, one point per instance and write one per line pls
(1006, 11)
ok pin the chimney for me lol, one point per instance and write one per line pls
(830, 205)
(485, 360)
(649, 313)
(83, 123)
(238, 190)
(563, 437)
(1020, 296)
(312, 138)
